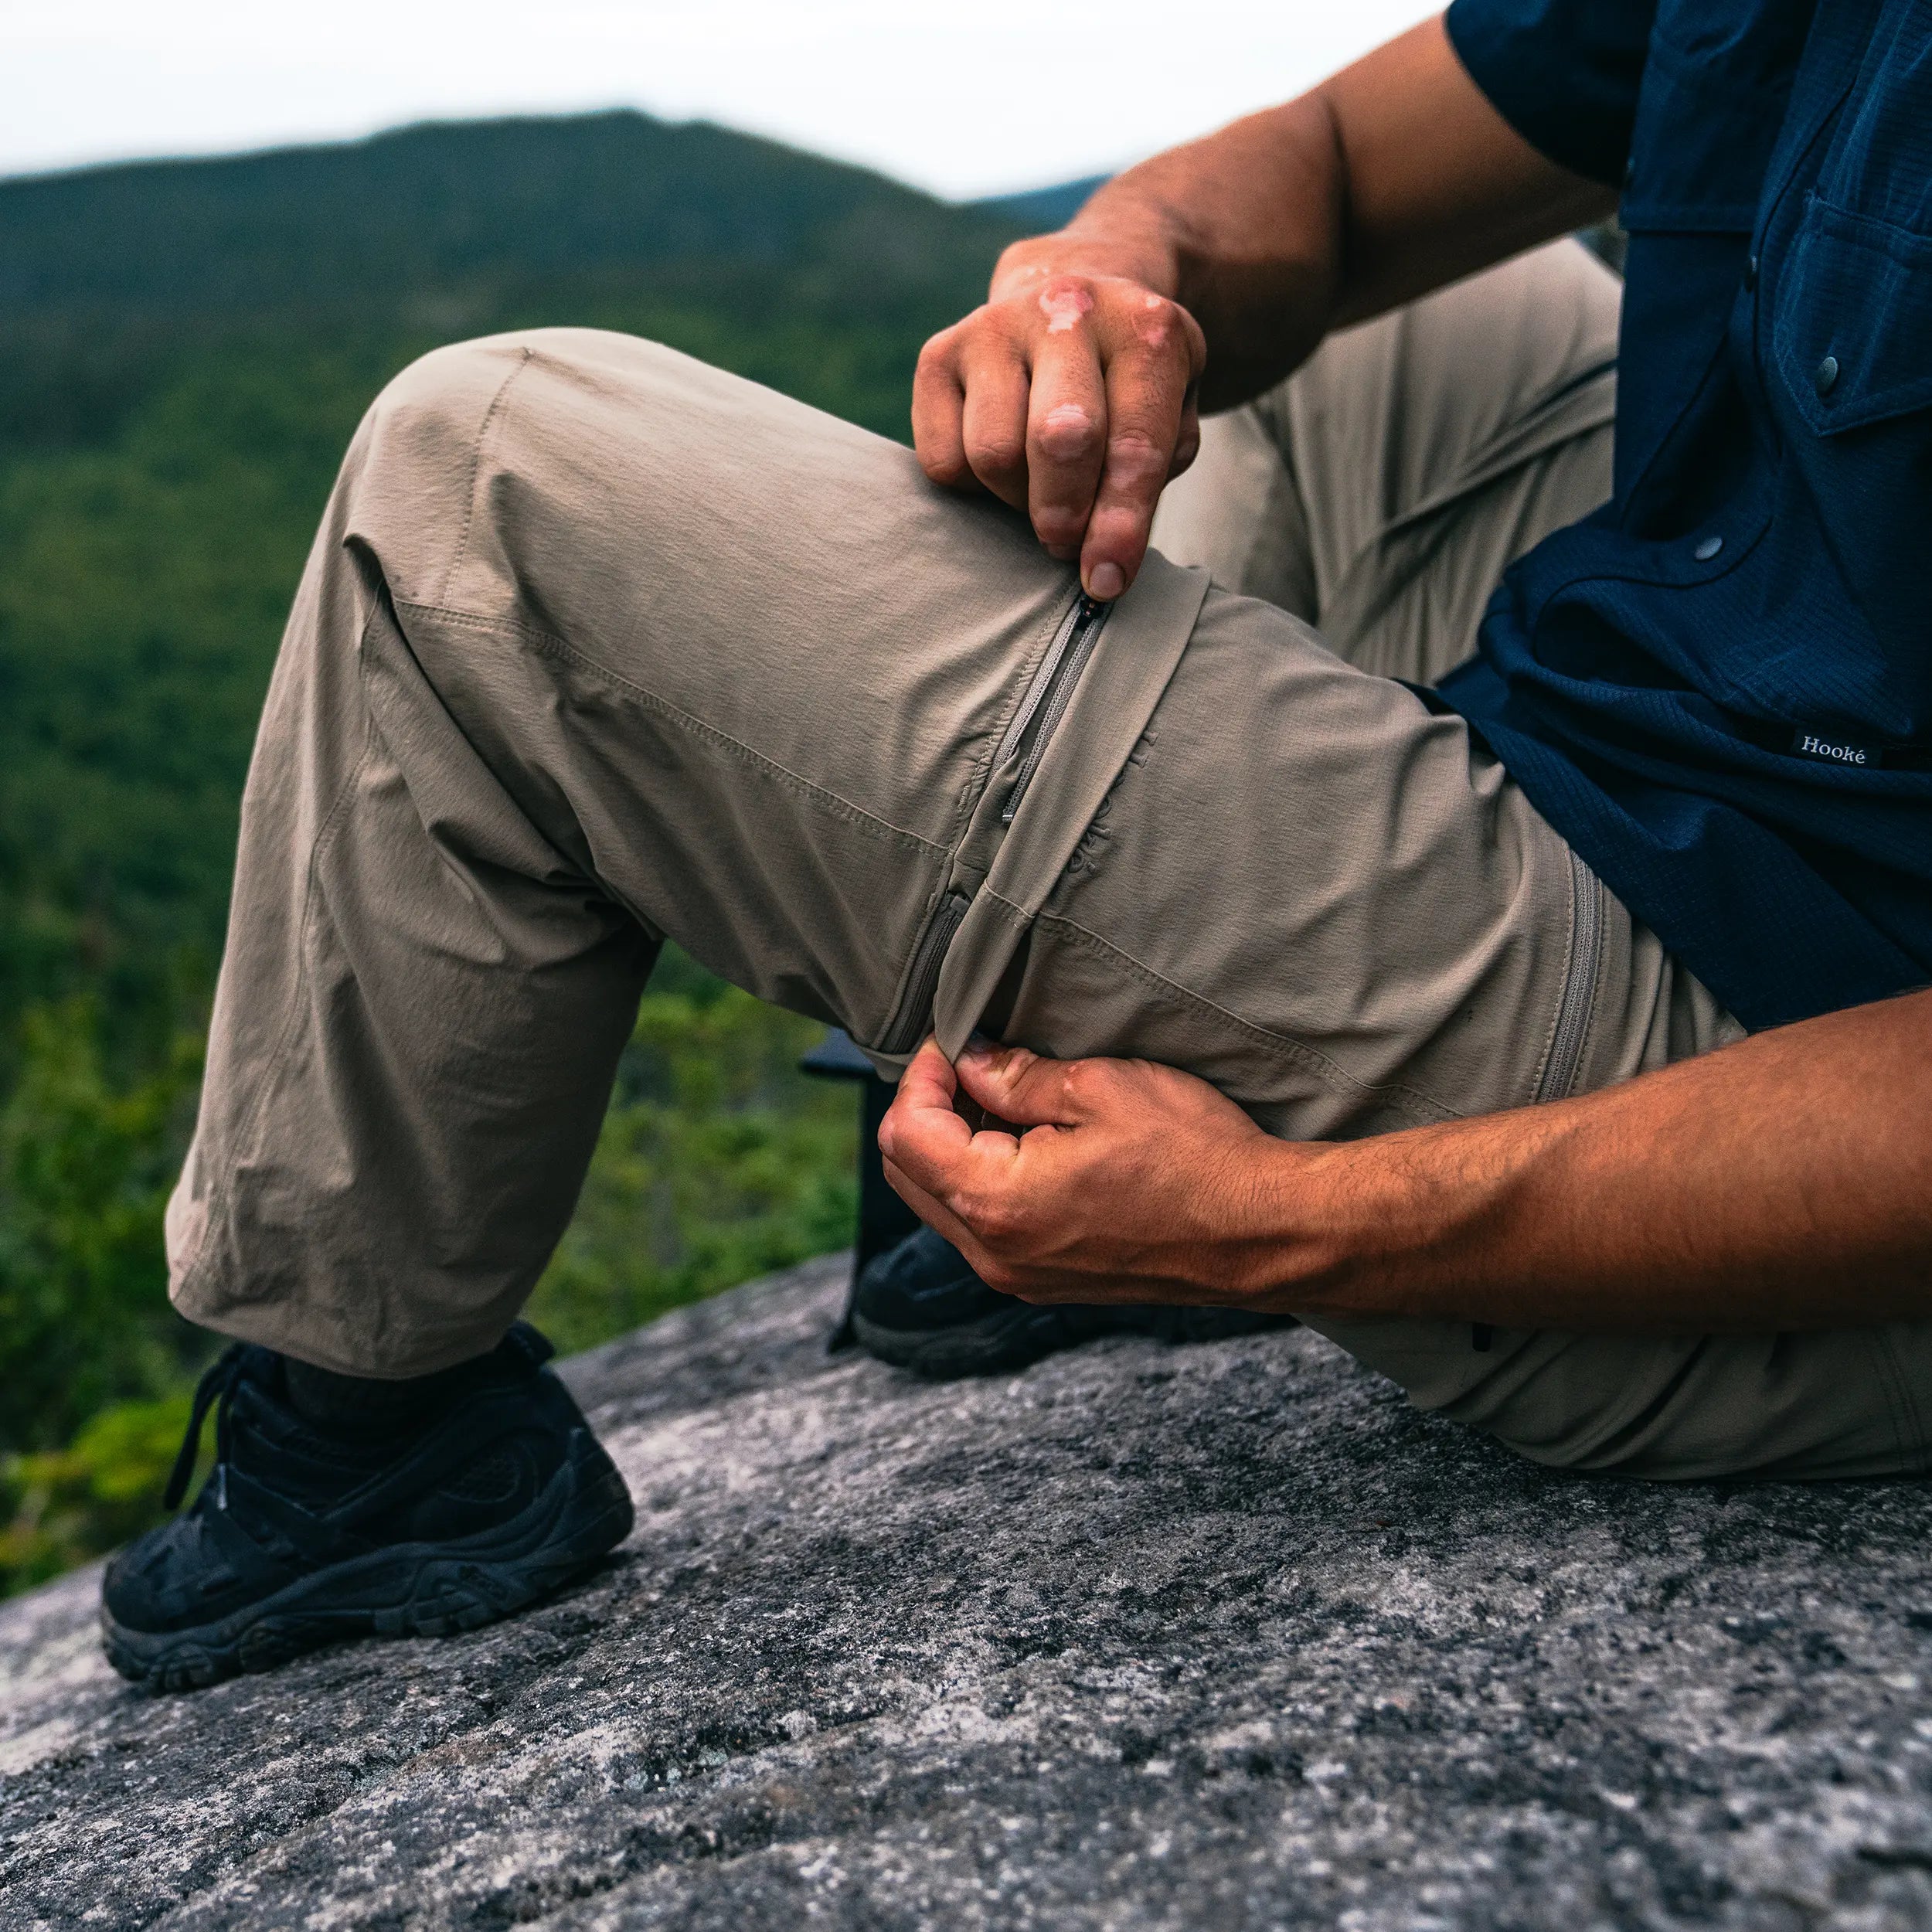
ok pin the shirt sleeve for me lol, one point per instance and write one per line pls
(1563, 73)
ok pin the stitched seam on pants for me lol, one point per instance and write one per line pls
(1494, 468)
(551, 645)
(1906, 1423)
(221, 1190)
(1408, 1100)
(490, 415)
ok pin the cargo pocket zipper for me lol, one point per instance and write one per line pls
(1034, 723)
(1579, 984)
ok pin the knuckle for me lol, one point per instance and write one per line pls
(1088, 1081)
(1135, 458)
(1067, 432)
(1066, 301)
(992, 454)
(943, 466)
(1163, 328)
(935, 358)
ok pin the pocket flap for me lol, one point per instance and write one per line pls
(1851, 336)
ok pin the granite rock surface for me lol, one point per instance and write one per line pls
(1223, 1636)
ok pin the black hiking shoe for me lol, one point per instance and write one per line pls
(299, 1537)
(919, 1306)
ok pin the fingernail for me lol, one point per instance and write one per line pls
(977, 1047)
(1106, 582)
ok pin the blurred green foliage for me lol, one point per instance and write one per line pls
(718, 1161)
(185, 349)
(85, 1168)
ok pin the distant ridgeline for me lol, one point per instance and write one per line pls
(185, 347)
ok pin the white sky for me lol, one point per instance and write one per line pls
(975, 97)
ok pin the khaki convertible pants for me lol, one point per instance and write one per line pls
(598, 645)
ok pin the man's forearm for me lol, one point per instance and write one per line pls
(1783, 1183)
(1327, 210)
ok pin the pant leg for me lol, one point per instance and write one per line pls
(1379, 493)
(597, 645)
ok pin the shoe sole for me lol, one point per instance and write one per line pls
(1012, 1339)
(409, 1589)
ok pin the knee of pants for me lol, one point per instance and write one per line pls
(1831, 1403)
(410, 482)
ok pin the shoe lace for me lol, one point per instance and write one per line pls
(217, 1385)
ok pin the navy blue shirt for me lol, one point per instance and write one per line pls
(1719, 687)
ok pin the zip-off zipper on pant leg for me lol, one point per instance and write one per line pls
(1046, 701)
(910, 1022)
(1048, 694)
(1579, 983)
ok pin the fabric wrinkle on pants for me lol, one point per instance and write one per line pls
(598, 646)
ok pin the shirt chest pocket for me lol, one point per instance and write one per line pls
(1852, 332)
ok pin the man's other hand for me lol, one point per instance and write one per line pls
(1070, 395)
(1108, 1180)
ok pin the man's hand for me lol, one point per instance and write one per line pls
(1069, 395)
(1072, 393)
(1783, 1182)
(1130, 1182)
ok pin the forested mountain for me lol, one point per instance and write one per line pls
(185, 349)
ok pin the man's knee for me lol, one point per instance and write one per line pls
(463, 433)
(409, 477)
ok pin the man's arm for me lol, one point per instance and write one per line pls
(1205, 274)
(1784, 1183)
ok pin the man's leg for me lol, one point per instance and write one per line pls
(598, 642)
(597, 645)
(1379, 493)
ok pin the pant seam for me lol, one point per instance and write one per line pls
(221, 1190)
(550, 645)
(1498, 470)
(490, 415)
(1527, 440)
(1907, 1426)
(1422, 1107)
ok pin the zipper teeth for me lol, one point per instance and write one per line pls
(1047, 698)
(1037, 689)
(1055, 693)
(924, 981)
(1579, 985)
